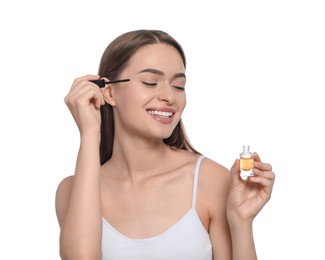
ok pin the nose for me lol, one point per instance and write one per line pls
(166, 94)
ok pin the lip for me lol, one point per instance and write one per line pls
(163, 120)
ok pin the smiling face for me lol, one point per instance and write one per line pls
(151, 104)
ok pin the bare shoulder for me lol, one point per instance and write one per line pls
(214, 174)
(62, 197)
(214, 183)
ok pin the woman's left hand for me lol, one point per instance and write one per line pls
(247, 197)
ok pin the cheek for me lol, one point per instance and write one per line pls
(132, 101)
(182, 102)
(128, 96)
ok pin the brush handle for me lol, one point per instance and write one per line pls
(99, 82)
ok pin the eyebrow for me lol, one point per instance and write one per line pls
(161, 73)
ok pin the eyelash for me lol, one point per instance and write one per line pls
(179, 88)
(148, 84)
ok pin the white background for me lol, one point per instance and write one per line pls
(256, 70)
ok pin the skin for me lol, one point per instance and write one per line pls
(145, 180)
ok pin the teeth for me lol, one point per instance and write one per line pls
(160, 113)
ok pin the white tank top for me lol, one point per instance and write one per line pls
(185, 240)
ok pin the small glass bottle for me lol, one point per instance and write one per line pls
(246, 163)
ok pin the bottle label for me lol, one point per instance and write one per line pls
(245, 174)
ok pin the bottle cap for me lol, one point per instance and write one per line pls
(246, 152)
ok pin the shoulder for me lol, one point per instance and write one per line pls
(214, 186)
(62, 197)
(214, 182)
(213, 173)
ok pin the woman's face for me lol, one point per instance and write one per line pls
(152, 103)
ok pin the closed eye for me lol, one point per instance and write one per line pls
(179, 88)
(153, 84)
(149, 84)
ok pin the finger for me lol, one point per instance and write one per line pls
(256, 157)
(265, 174)
(86, 78)
(263, 166)
(85, 96)
(75, 93)
(99, 100)
(80, 82)
(235, 172)
(265, 183)
(83, 87)
(92, 96)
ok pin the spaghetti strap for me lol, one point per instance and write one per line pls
(168, 244)
(196, 177)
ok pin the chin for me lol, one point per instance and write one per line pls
(160, 132)
(163, 135)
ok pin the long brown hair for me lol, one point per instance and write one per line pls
(114, 60)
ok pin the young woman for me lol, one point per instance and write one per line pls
(140, 190)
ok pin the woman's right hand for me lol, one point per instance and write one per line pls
(84, 101)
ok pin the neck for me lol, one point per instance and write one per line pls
(137, 159)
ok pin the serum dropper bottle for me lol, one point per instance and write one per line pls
(246, 163)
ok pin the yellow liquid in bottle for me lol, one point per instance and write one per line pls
(246, 163)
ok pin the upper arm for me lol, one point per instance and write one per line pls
(215, 185)
(62, 198)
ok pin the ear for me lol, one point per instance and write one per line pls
(108, 93)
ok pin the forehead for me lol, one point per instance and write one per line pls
(157, 56)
